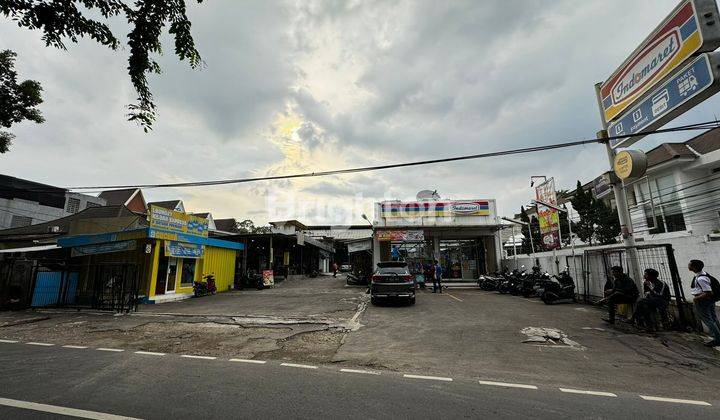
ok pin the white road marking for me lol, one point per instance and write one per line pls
(454, 297)
(432, 378)
(581, 391)
(258, 362)
(150, 353)
(508, 385)
(674, 400)
(190, 356)
(33, 343)
(65, 411)
(298, 366)
(106, 349)
(69, 346)
(366, 372)
(8, 341)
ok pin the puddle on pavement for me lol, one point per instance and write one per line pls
(548, 336)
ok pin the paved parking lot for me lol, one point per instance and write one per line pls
(478, 334)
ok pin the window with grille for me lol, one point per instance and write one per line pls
(20, 221)
(663, 211)
(73, 205)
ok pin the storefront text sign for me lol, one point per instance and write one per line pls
(400, 235)
(435, 209)
(183, 250)
(682, 34)
(165, 221)
(107, 248)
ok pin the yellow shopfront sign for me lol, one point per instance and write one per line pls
(168, 224)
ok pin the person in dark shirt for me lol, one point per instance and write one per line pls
(619, 289)
(657, 298)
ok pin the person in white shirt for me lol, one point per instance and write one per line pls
(704, 301)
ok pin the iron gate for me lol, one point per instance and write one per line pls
(54, 283)
(597, 264)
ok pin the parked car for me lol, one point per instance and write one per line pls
(345, 267)
(392, 279)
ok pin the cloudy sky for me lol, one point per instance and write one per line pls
(299, 86)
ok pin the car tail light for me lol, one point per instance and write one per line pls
(376, 278)
(408, 278)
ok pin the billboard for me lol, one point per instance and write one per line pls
(167, 224)
(689, 29)
(548, 218)
(413, 209)
(681, 91)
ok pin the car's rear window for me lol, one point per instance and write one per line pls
(393, 270)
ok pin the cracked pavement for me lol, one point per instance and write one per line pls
(464, 333)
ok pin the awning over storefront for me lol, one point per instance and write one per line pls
(145, 233)
(29, 249)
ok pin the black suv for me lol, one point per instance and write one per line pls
(392, 279)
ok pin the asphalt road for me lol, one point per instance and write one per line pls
(105, 383)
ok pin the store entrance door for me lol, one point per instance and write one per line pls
(462, 259)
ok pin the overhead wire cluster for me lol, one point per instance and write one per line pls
(690, 127)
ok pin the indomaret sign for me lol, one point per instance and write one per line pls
(693, 27)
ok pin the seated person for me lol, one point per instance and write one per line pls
(619, 289)
(657, 298)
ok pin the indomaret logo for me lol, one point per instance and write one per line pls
(648, 63)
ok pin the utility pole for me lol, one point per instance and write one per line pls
(620, 198)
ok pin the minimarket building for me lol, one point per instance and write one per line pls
(463, 235)
(162, 260)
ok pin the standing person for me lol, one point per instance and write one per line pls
(334, 268)
(437, 277)
(620, 289)
(657, 298)
(704, 300)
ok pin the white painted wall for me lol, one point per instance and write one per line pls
(40, 213)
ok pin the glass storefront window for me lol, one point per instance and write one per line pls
(188, 272)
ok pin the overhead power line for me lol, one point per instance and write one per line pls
(699, 126)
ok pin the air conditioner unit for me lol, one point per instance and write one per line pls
(53, 229)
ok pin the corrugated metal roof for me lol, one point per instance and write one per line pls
(117, 197)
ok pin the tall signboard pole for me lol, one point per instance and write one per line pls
(666, 75)
(620, 199)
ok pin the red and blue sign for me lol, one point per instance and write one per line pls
(673, 97)
(436, 208)
(667, 48)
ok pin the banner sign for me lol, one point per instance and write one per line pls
(683, 90)
(268, 278)
(435, 209)
(176, 222)
(364, 245)
(685, 32)
(400, 235)
(548, 218)
(183, 250)
(106, 248)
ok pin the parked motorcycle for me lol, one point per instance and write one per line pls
(251, 279)
(534, 282)
(204, 288)
(489, 282)
(561, 288)
(511, 281)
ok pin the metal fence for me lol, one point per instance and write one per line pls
(597, 264)
(590, 268)
(47, 283)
